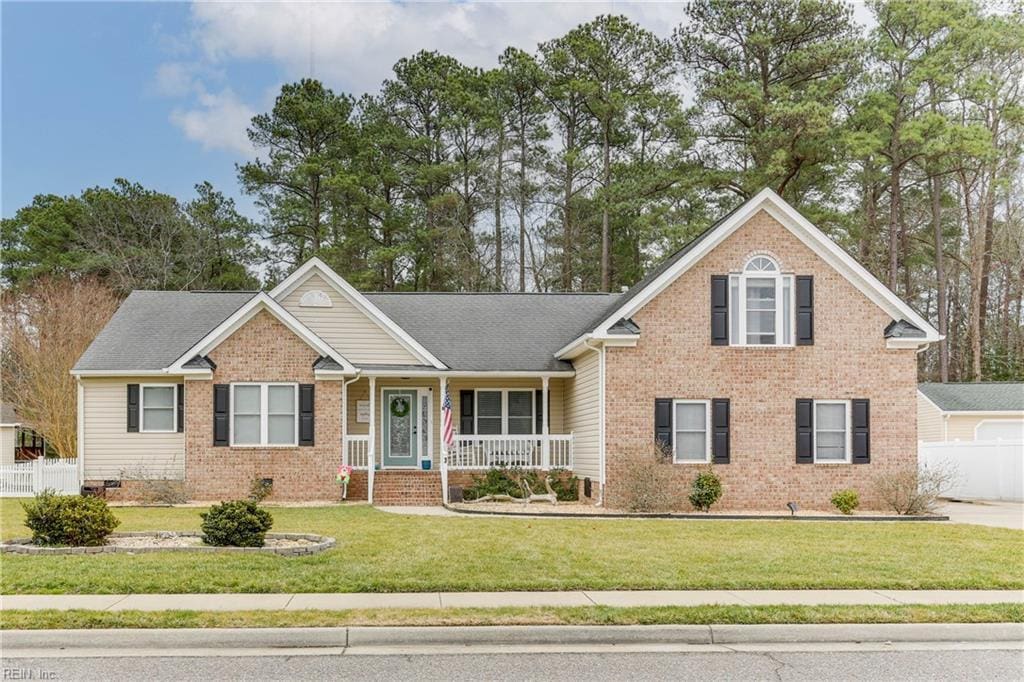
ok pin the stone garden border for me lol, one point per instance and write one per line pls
(321, 543)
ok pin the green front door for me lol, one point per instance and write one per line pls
(399, 436)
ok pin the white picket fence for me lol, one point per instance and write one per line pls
(987, 469)
(24, 479)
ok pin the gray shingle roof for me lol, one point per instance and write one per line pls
(494, 332)
(152, 329)
(976, 397)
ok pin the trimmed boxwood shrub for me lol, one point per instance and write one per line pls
(706, 490)
(69, 520)
(238, 523)
(846, 501)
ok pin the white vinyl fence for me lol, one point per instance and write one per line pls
(24, 479)
(987, 469)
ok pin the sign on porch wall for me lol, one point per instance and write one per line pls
(363, 411)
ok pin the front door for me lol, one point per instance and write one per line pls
(400, 432)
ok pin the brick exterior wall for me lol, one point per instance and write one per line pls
(675, 359)
(263, 349)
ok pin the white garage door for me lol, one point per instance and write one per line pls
(1007, 429)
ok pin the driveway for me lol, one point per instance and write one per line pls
(986, 513)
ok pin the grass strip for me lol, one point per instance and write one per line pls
(584, 615)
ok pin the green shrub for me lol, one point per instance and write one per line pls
(706, 490)
(69, 520)
(846, 500)
(239, 523)
(506, 481)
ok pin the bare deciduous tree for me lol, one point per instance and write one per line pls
(45, 330)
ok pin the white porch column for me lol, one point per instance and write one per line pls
(444, 444)
(371, 459)
(545, 441)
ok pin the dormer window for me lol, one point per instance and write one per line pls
(761, 305)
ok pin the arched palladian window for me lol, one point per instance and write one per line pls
(761, 305)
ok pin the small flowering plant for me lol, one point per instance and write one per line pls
(343, 476)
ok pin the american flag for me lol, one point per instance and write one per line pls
(446, 411)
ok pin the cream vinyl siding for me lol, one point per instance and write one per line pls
(111, 452)
(347, 329)
(7, 438)
(582, 414)
(360, 390)
(929, 421)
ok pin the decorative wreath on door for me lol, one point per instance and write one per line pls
(399, 407)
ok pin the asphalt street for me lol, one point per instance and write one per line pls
(873, 663)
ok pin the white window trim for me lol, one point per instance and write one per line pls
(779, 277)
(264, 415)
(848, 447)
(504, 409)
(707, 431)
(142, 408)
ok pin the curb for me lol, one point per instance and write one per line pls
(341, 637)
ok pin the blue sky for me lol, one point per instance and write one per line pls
(161, 93)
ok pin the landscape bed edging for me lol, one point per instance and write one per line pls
(321, 543)
(690, 515)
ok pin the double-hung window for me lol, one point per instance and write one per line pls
(264, 414)
(761, 305)
(504, 411)
(832, 431)
(691, 425)
(158, 408)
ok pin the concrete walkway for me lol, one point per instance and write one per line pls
(437, 600)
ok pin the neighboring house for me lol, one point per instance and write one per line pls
(983, 411)
(761, 347)
(18, 442)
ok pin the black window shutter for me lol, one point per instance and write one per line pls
(804, 310)
(221, 407)
(720, 430)
(804, 431)
(861, 431)
(181, 408)
(663, 422)
(133, 408)
(466, 413)
(719, 310)
(306, 413)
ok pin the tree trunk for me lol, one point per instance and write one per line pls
(567, 217)
(522, 207)
(940, 277)
(499, 281)
(894, 226)
(606, 280)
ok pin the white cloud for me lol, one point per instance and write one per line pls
(352, 46)
(174, 79)
(216, 121)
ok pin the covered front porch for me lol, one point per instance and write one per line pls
(394, 428)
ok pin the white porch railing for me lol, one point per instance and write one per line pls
(24, 479)
(357, 451)
(527, 452)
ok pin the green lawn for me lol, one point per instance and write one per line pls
(584, 615)
(381, 552)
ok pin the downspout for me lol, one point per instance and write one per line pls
(600, 420)
(80, 445)
(344, 416)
